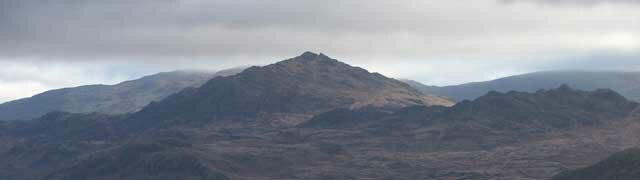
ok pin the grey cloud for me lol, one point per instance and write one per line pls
(575, 2)
(157, 27)
(222, 29)
(436, 41)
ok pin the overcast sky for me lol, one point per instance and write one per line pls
(46, 44)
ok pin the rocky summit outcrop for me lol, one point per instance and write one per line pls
(624, 165)
(305, 85)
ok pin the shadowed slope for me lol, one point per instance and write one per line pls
(620, 166)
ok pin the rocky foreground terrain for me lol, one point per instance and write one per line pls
(624, 165)
(313, 117)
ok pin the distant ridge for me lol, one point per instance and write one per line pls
(125, 97)
(626, 83)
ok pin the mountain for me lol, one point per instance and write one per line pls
(624, 165)
(626, 83)
(125, 97)
(313, 117)
(63, 145)
(305, 85)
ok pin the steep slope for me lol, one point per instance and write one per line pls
(33, 149)
(620, 166)
(129, 96)
(165, 158)
(626, 83)
(304, 85)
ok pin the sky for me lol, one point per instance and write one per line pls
(48, 44)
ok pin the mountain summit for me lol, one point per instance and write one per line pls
(305, 85)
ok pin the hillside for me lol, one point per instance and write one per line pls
(125, 97)
(490, 120)
(624, 165)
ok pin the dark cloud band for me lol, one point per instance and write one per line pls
(224, 28)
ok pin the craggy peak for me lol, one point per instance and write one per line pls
(313, 56)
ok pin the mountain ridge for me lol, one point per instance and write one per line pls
(493, 119)
(124, 97)
(626, 83)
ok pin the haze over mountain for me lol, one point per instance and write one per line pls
(313, 117)
(125, 97)
(626, 83)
